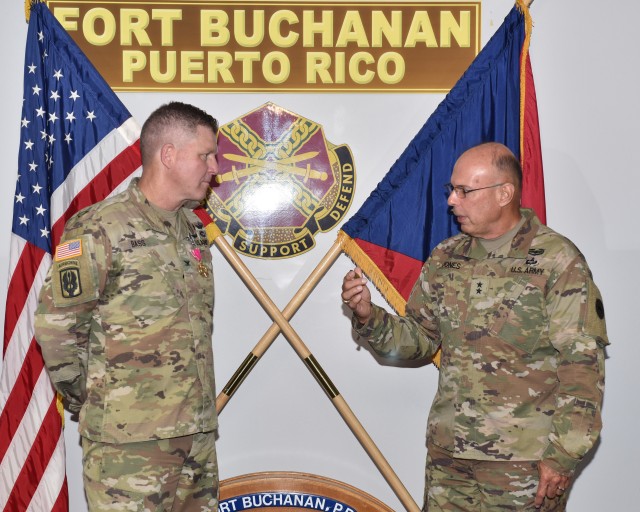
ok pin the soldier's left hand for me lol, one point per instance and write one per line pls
(551, 485)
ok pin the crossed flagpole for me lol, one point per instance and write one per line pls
(281, 324)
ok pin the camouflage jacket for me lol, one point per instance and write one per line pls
(522, 333)
(125, 322)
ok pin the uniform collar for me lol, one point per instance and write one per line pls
(520, 244)
(145, 207)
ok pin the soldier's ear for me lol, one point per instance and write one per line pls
(168, 155)
(506, 193)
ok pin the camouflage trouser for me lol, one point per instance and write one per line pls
(482, 486)
(179, 474)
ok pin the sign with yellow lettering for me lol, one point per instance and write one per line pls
(299, 46)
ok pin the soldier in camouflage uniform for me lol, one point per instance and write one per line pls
(520, 322)
(125, 322)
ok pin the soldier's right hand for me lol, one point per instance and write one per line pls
(74, 393)
(356, 294)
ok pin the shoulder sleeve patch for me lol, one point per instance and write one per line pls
(69, 249)
(74, 274)
(594, 319)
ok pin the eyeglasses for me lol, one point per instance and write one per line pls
(462, 192)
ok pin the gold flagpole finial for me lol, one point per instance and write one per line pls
(27, 8)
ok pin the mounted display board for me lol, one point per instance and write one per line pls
(302, 46)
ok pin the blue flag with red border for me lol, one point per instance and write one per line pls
(407, 215)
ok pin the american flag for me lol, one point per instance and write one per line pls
(78, 145)
(68, 250)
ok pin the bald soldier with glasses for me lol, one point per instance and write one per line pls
(520, 322)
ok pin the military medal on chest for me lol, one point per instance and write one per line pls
(202, 268)
(196, 239)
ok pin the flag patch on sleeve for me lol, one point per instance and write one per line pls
(70, 249)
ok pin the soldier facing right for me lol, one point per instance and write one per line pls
(125, 322)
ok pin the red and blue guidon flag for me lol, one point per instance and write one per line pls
(406, 216)
(78, 145)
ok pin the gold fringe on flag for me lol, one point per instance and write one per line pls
(377, 278)
(27, 8)
(375, 275)
(523, 6)
(60, 407)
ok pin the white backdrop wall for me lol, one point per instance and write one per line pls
(280, 419)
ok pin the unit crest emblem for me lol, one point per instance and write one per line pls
(279, 183)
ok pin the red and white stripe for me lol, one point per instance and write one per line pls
(32, 456)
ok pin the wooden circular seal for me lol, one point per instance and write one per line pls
(293, 492)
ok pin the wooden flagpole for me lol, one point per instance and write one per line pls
(317, 371)
(272, 333)
(281, 324)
